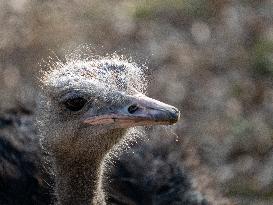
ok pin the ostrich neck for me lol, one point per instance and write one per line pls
(78, 168)
(75, 185)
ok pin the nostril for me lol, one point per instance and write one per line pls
(132, 109)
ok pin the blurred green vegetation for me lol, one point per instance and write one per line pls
(263, 54)
(195, 8)
(242, 127)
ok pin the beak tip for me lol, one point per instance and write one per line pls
(174, 115)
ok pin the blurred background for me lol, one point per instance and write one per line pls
(211, 58)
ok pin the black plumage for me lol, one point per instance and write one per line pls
(23, 179)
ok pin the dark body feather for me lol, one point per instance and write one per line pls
(22, 179)
(151, 173)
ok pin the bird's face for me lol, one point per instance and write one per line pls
(92, 107)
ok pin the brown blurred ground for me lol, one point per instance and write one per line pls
(212, 59)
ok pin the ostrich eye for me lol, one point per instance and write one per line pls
(75, 104)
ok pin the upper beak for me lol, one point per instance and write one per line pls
(140, 111)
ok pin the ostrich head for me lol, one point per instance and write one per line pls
(85, 108)
(94, 103)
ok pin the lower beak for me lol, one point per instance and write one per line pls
(141, 111)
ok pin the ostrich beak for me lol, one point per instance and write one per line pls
(140, 111)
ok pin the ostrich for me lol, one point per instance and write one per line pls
(85, 117)
(86, 121)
